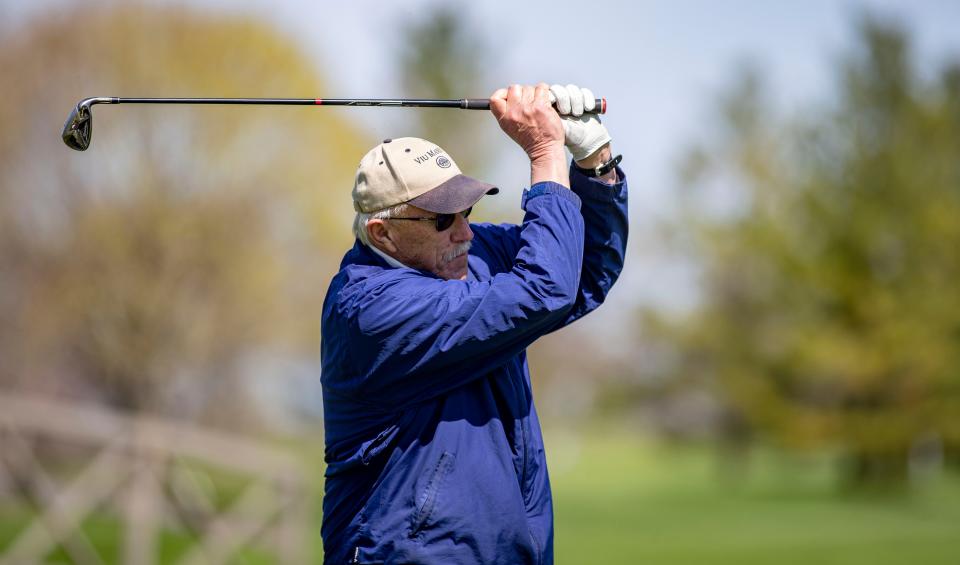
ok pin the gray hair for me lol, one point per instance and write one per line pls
(361, 219)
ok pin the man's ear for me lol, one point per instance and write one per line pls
(380, 236)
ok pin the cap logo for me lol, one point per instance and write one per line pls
(426, 156)
(443, 162)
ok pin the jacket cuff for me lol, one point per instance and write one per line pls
(591, 188)
(548, 187)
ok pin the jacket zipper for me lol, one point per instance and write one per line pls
(431, 492)
(536, 548)
(523, 466)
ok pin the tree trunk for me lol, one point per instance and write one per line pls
(886, 469)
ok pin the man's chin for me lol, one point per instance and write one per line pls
(456, 269)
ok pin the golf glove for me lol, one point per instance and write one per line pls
(583, 132)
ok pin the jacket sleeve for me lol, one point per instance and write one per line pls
(412, 337)
(604, 210)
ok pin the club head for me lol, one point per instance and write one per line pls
(78, 127)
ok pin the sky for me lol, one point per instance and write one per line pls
(659, 64)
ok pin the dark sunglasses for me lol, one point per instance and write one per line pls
(444, 221)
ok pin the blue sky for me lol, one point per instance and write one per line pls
(660, 64)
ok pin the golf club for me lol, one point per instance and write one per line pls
(79, 125)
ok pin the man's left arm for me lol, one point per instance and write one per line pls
(603, 195)
(604, 209)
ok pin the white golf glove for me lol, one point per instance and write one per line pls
(583, 132)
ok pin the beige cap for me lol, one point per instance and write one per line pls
(415, 171)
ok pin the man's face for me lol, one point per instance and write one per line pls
(419, 245)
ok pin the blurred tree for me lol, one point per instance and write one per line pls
(442, 57)
(830, 314)
(147, 270)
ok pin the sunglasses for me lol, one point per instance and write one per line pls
(444, 221)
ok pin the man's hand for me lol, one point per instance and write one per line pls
(525, 114)
(584, 134)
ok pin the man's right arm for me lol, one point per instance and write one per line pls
(526, 115)
(410, 337)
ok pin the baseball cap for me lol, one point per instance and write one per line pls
(415, 171)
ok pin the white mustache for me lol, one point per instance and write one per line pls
(457, 251)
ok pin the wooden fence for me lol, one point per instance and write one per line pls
(156, 480)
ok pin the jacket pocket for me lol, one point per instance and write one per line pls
(427, 501)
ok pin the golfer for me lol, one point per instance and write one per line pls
(433, 447)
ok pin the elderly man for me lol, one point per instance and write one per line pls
(433, 448)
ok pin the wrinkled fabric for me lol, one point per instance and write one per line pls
(433, 448)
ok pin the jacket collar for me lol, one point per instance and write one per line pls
(360, 254)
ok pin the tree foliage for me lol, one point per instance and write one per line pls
(830, 314)
(146, 270)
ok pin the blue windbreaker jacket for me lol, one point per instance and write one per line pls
(433, 448)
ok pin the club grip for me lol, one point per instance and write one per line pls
(599, 105)
(475, 104)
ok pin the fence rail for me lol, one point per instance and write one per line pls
(151, 475)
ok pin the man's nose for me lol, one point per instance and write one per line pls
(461, 229)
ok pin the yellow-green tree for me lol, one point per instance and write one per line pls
(147, 270)
(830, 313)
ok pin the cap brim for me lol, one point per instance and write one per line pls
(455, 195)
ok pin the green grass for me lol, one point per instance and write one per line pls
(622, 500)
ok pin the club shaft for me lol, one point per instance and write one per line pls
(464, 103)
(290, 101)
(77, 130)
